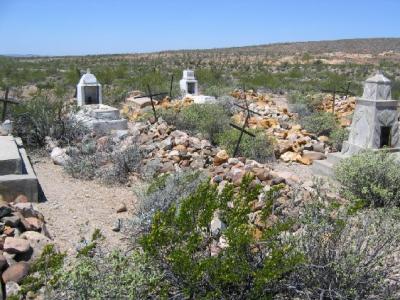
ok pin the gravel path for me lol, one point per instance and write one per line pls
(74, 208)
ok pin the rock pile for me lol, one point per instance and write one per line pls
(293, 144)
(344, 108)
(23, 238)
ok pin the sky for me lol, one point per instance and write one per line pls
(79, 27)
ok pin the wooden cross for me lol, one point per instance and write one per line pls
(243, 128)
(170, 86)
(5, 101)
(344, 91)
(151, 95)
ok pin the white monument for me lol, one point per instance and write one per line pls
(375, 121)
(188, 84)
(375, 124)
(89, 90)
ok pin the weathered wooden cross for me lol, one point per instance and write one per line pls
(334, 91)
(170, 85)
(243, 128)
(151, 96)
(5, 101)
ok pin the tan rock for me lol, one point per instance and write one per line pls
(221, 157)
(304, 160)
(313, 155)
(323, 138)
(290, 156)
(16, 272)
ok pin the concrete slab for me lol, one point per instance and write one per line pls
(10, 159)
(25, 183)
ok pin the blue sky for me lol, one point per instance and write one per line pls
(72, 27)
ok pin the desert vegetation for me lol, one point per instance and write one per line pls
(208, 225)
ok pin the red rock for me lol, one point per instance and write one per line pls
(16, 272)
(35, 223)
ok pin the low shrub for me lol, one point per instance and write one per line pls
(162, 192)
(347, 257)
(260, 148)
(207, 119)
(40, 117)
(370, 179)
(180, 239)
(319, 123)
(303, 104)
(109, 165)
(96, 275)
(337, 137)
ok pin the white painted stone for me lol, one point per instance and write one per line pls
(89, 90)
(189, 84)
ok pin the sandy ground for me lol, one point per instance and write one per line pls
(74, 208)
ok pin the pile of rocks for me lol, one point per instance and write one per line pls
(293, 144)
(23, 238)
(344, 108)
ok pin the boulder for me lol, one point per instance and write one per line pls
(221, 157)
(12, 289)
(59, 156)
(16, 272)
(37, 241)
(216, 225)
(313, 155)
(290, 156)
(319, 147)
(16, 245)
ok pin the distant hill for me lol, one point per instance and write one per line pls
(364, 46)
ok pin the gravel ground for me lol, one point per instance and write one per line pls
(74, 208)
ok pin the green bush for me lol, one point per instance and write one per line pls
(207, 119)
(260, 148)
(107, 276)
(347, 256)
(319, 123)
(180, 240)
(370, 179)
(337, 137)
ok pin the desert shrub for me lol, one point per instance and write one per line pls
(260, 148)
(207, 119)
(337, 137)
(95, 274)
(370, 179)
(180, 240)
(109, 165)
(44, 272)
(303, 104)
(319, 123)
(347, 257)
(159, 194)
(40, 117)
